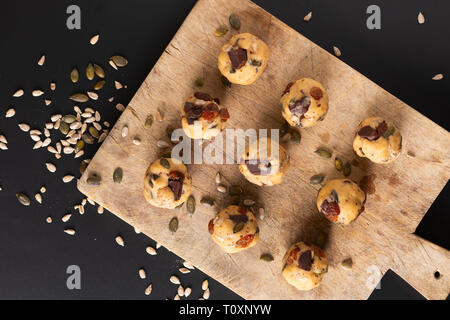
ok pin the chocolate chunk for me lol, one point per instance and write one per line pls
(237, 218)
(372, 134)
(176, 179)
(203, 96)
(258, 168)
(381, 129)
(316, 93)
(288, 88)
(188, 106)
(193, 113)
(238, 57)
(305, 260)
(301, 106)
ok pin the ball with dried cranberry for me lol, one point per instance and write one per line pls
(202, 116)
(341, 200)
(243, 59)
(304, 103)
(234, 229)
(264, 162)
(167, 183)
(304, 266)
(378, 140)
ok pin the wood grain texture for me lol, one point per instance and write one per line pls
(381, 236)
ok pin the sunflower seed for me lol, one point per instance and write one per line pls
(18, 93)
(117, 175)
(66, 217)
(94, 39)
(149, 121)
(336, 51)
(180, 291)
(439, 76)
(142, 274)
(119, 61)
(102, 137)
(151, 251)
(119, 241)
(35, 137)
(184, 270)
(38, 198)
(67, 179)
(49, 220)
(238, 227)
(174, 280)
(3, 139)
(112, 64)
(235, 22)
(74, 75)
(3, 146)
(161, 113)
(92, 95)
(162, 144)
(24, 127)
(47, 102)
(79, 97)
(207, 201)
(187, 292)
(266, 257)
(100, 209)
(261, 213)
(347, 264)
(221, 31)
(190, 205)
(41, 60)
(68, 150)
(420, 18)
(81, 209)
(158, 245)
(248, 202)
(347, 169)
(10, 113)
(148, 290)
(218, 178)
(308, 16)
(124, 131)
(173, 225)
(90, 73)
(206, 294)
(52, 86)
(177, 297)
(99, 85)
(323, 153)
(23, 199)
(137, 141)
(118, 85)
(221, 188)
(120, 107)
(70, 231)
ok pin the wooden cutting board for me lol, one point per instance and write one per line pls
(380, 239)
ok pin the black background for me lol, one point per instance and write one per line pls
(402, 57)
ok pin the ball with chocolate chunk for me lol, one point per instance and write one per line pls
(202, 116)
(304, 266)
(243, 59)
(341, 200)
(167, 183)
(264, 162)
(234, 229)
(378, 140)
(304, 103)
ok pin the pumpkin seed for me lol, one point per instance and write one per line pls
(207, 201)
(167, 154)
(347, 264)
(79, 97)
(238, 227)
(99, 71)
(225, 82)
(79, 146)
(94, 39)
(173, 225)
(93, 180)
(221, 31)
(190, 205)
(347, 169)
(165, 163)
(316, 179)
(338, 164)
(389, 132)
(255, 63)
(99, 85)
(23, 199)
(149, 121)
(235, 22)
(119, 61)
(235, 200)
(90, 73)
(323, 153)
(198, 82)
(83, 166)
(235, 190)
(94, 132)
(295, 136)
(69, 118)
(74, 75)
(266, 257)
(117, 175)
(64, 127)
(87, 138)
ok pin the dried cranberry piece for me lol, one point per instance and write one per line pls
(316, 93)
(211, 226)
(330, 209)
(224, 115)
(305, 260)
(301, 106)
(209, 115)
(203, 96)
(288, 88)
(258, 167)
(293, 255)
(176, 179)
(242, 217)
(245, 241)
(238, 57)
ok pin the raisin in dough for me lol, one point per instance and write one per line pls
(243, 59)
(202, 116)
(261, 166)
(304, 103)
(304, 266)
(167, 183)
(234, 229)
(377, 140)
(341, 200)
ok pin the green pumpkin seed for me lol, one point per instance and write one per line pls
(338, 164)
(83, 166)
(99, 85)
(235, 190)
(64, 127)
(198, 82)
(207, 201)
(87, 138)
(79, 97)
(221, 31)
(79, 146)
(94, 132)
(99, 71)
(284, 267)
(323, 153)
(316, 179)
(225, 82)
(190, 205)
(117, 175)
(347, 263)
(238, 227)
(93, 180)
(119, 61)
(69, 118)
(178, 206)
(173, 225)
(266, 257)
(23, 199)
(149, 121)
(74, 75)
(90, 73)
(295, 136)
(169, 131)
(347, 169)
(235, 200)
(165, 163)
(255, 63)
(235, 22)
(389, 132)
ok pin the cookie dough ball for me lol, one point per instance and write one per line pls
(264, 162)
(167, 183)
(234, 229)
(304, 266)
(378, 140)
(243, 59)
(341, 200)
(202, 116)
(304, 103)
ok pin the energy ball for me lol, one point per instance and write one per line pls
(304, 103)
(377, 140)
(202, 116)
(341, 200)
(264, 162)
(167, 183)
(234, 229)
(304, 266)
(243, 59)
